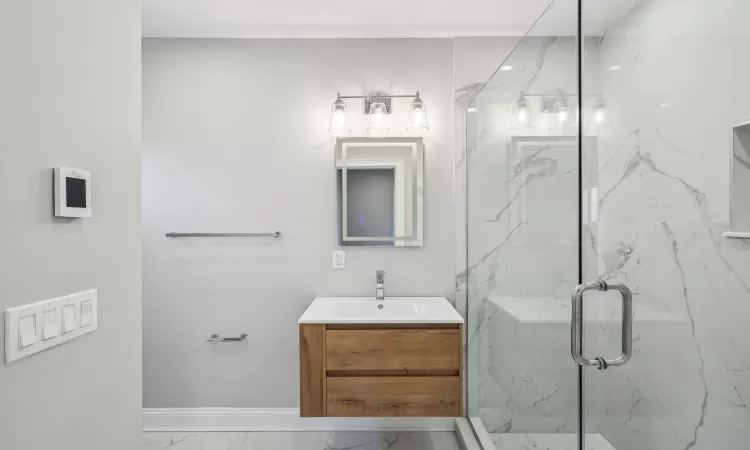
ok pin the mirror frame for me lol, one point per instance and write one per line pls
(417, 146)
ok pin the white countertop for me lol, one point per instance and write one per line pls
(394, 310)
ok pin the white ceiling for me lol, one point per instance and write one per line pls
(366, 18)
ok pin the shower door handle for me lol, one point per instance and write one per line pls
(576, 328)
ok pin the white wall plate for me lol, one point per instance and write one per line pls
(49, 324)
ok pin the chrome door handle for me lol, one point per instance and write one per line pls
(576, 328)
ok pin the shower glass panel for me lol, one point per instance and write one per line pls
(522, 245)
(600, 152)
(664, 82)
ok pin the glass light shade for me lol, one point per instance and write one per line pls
(339, 122)
(418, 116)
(523, 111)
(562, 112)
(378, 112)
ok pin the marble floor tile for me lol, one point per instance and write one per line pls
(345, 440)
(547, 441)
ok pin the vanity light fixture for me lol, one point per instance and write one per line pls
(378, 107)
(523, 110)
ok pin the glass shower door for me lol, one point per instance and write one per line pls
(522, 250)
(663, 84)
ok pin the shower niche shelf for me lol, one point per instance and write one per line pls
(739, 189)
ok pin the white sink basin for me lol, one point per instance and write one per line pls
(390, 310)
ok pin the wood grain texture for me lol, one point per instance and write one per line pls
(402, 350)
(393, 397)
(312, 370)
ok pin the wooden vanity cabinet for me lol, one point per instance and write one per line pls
(381, 370)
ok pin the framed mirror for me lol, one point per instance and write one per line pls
(379, 185)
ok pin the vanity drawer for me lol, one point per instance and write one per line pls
(400, 350)
(393, 396)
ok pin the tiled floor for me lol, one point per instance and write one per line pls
(345, 440)
(547, 441)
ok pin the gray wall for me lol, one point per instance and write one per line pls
(70, 90)
(235, 139)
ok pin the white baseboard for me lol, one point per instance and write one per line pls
(279, 419)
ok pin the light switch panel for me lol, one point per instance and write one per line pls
(26, 331)
(87, 313)
(69, 318)
(49, 324)
(40, 326)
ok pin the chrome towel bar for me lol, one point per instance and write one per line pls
(216, 338)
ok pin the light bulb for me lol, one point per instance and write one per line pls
(600, 111)
(523, 110)
(339, 118)
(561, 112)
(377, 112)
(600, 115)
(377, 117)
(523, 116)
(416, 117)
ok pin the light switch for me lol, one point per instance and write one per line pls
(49, 324)
(69, 318)
(87, 313)
(26, 331)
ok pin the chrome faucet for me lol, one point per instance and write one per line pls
(380, 285)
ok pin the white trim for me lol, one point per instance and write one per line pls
(737, 234)
(279, 419)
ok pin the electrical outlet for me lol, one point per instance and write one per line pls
(339, 259)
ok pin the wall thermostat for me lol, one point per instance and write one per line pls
(72, 192)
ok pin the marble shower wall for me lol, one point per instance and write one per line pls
(663, 190)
